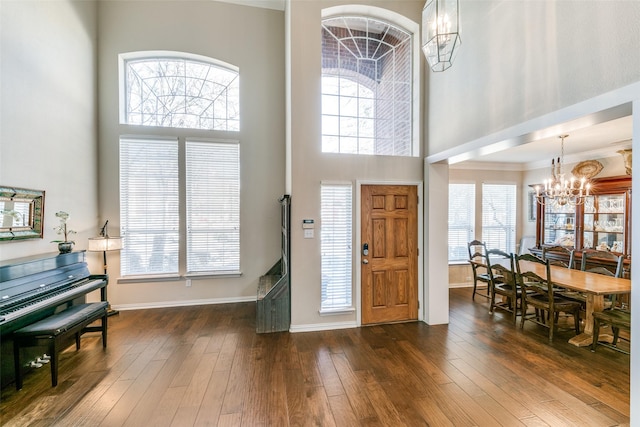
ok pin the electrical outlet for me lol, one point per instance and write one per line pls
(188, 283)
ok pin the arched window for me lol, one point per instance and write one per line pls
(367, 87)
(177, 90)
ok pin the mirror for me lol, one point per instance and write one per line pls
(21, 213)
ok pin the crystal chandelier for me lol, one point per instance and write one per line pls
(558, 189)
(440, 33)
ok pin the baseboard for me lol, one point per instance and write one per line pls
(314, 327)
(465, 285)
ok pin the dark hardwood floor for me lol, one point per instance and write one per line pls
(206, 366)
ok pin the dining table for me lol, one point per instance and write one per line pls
(593, 285)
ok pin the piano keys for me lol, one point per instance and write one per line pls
(35, 287)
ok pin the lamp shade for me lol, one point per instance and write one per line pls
(100, 244)
(440, 33)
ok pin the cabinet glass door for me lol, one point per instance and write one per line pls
(604, 218)
(559, 224)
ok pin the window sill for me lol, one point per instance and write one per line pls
(155, 278)
(177, 277)
(209, 275)
(337, 311)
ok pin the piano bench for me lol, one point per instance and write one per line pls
(55, 330)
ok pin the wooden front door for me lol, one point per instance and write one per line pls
(389, 253)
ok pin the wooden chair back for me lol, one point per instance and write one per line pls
(503, 282)
(588, 256)
(479, 267)
(538, 292)
(477, 251)
(533, 283)
(558, 256)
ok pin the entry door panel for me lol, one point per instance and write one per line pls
(389, 268)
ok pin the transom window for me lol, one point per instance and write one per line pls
(180, 92)
(366, 87)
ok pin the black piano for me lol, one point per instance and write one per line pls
(33, 288)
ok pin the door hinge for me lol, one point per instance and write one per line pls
(418, 304)
(418, 251)
(418, 197)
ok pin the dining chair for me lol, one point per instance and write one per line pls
(503, 282)
(587, 263)
(564, 257)
(560, 255)
(616, 317)
(538, 292)
(478, 261)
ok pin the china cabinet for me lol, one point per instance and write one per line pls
(603, 222)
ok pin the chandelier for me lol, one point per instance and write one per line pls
(440, 33)
(558, 189)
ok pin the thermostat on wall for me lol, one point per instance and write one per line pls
(307, 223)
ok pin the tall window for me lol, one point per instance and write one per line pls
(462, 213)
(335, 241)
(499, 216)
(160, 174)
(149, 206)
(213, 206)
(367, 91)
(180, 91)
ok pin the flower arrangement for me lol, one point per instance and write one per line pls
(62, 229)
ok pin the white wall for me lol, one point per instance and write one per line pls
(249, 38)
(48, 114)
(310, 167)
(520, 60)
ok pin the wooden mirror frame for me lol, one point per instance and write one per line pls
(30, 228)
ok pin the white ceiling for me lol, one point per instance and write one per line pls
(596, 141)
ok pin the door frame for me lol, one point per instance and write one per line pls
(357, 228)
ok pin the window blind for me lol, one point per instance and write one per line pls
(336, 232)
(499, 216)
(149, 216)
(213, 206)
(462, 213)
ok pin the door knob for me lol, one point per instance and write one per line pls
(365, 261)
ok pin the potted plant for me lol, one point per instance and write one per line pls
(66, 245)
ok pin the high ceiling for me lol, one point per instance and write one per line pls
(595, 141)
